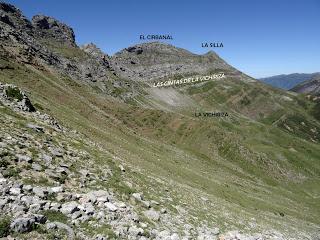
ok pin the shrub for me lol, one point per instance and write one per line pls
(4, 163)
(14, 93)
(11, 172)
(4, 226)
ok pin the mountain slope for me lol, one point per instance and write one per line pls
(254, 171)
(287, 81)
(149, 61)
(311, 86)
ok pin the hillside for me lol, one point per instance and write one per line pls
(311, 86)
(287, 81)
(102, 154)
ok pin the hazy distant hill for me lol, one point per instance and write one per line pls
(287, 81)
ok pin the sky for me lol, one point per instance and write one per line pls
(261, 38)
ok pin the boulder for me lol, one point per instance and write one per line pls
(40, 192)
(135, 231)
(24, 158)
(27, 224)
(137, 196)
(21, 225)
(57, 189)
(15, 191)
(69, 208)
(111, 206)
(152, 215)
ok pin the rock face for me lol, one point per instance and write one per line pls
(48, 27)
(13, 17)
(39, 44)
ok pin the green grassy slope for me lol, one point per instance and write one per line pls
(251, 168)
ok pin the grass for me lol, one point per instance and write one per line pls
(105, 230)
(11, 172)
(55, 216)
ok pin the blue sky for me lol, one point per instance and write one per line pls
(260, 38)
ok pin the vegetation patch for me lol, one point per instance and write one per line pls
(14, 93)
(4, 226)
(55, 216)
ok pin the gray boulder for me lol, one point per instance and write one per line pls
(69, 208)
(152, 215)
(21, 225)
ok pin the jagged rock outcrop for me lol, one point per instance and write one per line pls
(40, 44)
(52, 29)
(13, 17)
(98, 66)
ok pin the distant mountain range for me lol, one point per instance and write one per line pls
(288, 81)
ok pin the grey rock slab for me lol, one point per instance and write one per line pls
(152, 215)
(47, 158)
(57, 152)
(36, 167)
(26, 224)
(135, 231)
(35, 127)
(163, 210)
(27, 188)
(15, 191)
(34, 208)
(146, 204)
(40, 192)
(57, 189)
(65, 227)
(76, 214)
(122, 168)
(89, 209)
(111, 206)
(137, 196)
(24, 158)
(22, 225)
(55, 206)
(69, 207)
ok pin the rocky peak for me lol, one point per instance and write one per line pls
(154, 47)
(10, 15)
(48, 27)
(156, 60)
(8, 8)
(93, 50)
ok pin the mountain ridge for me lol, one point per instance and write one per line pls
(287, 81)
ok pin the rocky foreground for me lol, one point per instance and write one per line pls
(50, 188)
